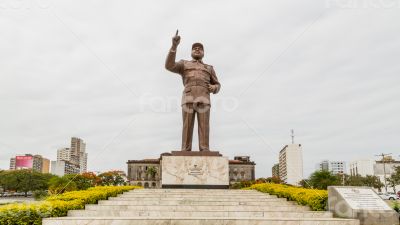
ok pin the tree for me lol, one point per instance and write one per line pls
(322, 179)
(24, 180)
(1, 184)
(59, 185)
(357, 180)
(84, 181)
(394, 178)
(94, 179)
(392, 182)
(112, 178)
(373, 181)
(305, 183)
(275, 180)
(151, 171)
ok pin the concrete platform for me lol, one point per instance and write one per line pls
(197, 198)
(191, 202)
(196, 221)
(212, 213)
(197, 207)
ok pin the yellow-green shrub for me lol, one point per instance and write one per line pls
(57, 205)
(316, 199)
(92, 195)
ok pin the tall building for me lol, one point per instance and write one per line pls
(12, 163)
(40, 164)
(45, 165)
(78, 153)
(362, 167)
(324, 165)
(336, 167)
(83, 162)
(275, 170)
(75, 154)
(64, 154)
(62, 167)
(384, 169)
(28, 161)
(381, 169)
(77, 147)
(291, 164)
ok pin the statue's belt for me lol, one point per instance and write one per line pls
(196, 83)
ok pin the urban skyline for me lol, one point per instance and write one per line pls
(66, 153)
(69, 160)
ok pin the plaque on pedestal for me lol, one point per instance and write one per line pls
(195, 170)
(361, 203)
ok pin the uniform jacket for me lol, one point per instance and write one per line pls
(196, 77)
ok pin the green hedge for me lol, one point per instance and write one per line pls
(315, 199)
(57, 205)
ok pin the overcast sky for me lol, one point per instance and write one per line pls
(95, 69)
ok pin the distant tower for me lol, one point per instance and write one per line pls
(292, 131)
(291, 163)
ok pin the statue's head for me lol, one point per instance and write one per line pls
(197, 51)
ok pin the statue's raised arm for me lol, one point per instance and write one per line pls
(170, 63)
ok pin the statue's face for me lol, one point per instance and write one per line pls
(197, 53)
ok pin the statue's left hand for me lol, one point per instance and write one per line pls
(212, 88)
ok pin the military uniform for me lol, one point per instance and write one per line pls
(196, 77)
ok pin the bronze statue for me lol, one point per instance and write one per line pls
(199, 80)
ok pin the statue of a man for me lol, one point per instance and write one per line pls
(199, 80)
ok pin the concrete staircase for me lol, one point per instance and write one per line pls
(196, 207)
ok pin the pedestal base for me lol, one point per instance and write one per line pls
(195, 153)
(208, 172)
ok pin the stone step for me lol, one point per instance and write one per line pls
(196, 221)
(188, 208)
(194, 190)
(189, 202)
(196, 207)
(125, 198)
(213, 213)
(191, 191)
(198, 195)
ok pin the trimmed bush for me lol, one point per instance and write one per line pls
(396, 206)
(40, 195)
(57, 205)
(315, 199)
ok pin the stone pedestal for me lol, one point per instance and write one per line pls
(195, 170)
(360, 203)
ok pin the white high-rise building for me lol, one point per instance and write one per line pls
(62, 167)
(76, 154)
(291, 164)
(64, 154)
(384, 169)
(336, 167)
(362, 167)
(83, 162)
